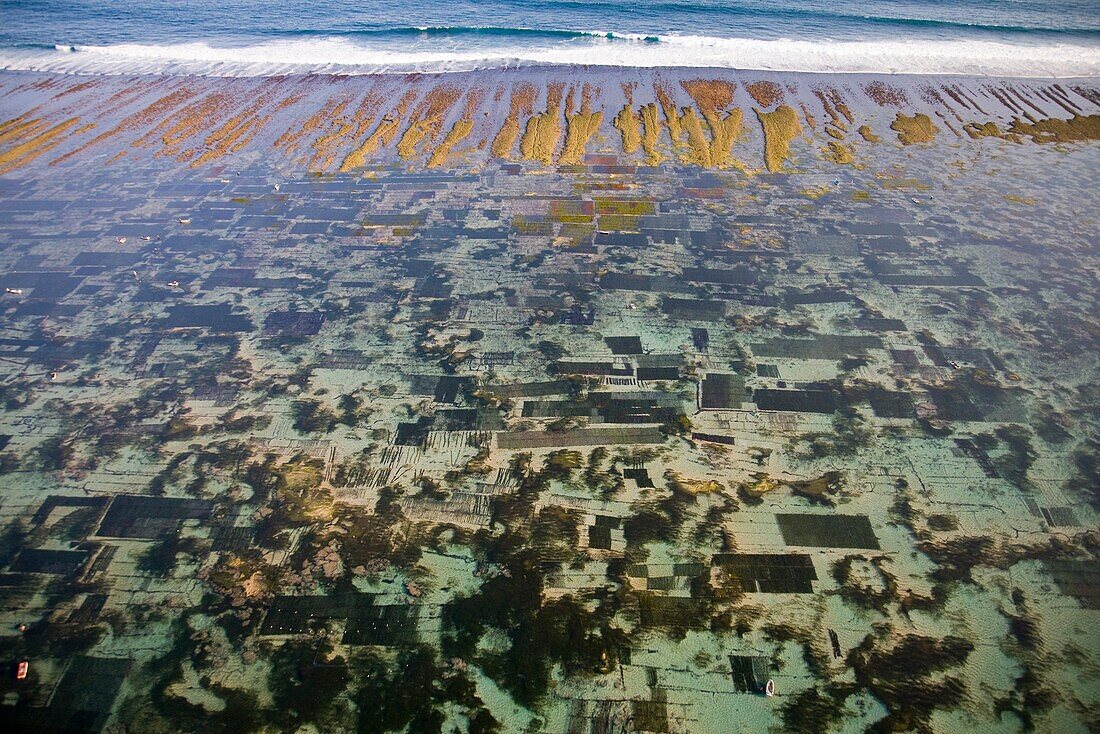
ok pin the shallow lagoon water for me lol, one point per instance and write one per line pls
(505, 446)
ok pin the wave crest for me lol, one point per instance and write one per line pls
(345, 55)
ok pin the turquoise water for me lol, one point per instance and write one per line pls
(251, 37)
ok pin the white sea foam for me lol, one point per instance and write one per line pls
(348, 56)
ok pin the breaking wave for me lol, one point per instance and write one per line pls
(433, 50)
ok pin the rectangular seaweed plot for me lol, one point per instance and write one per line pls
(294, 323)
(390, 625)
(889, 404)
(720, 391)
(37, 560)
(580, 437)
(639, 475)
(658, 373)
(624, 344)
(827, 531)
(669, 611)
(449, 387)
(824, 346)
(91, 684)
(216, 317)
(530, 389)
(749, 672)
(294, 615)
(81, 702)
(650, 716)
(1079, 579)
(770, 573)
(798, 401)
(137, 516)
(691, 309)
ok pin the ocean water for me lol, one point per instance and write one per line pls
(1059, 38)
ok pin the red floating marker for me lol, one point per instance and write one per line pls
(22, 669)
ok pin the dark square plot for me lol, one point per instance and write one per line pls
(767, 370)
(413, 434)
(89, 688)
(622, 239)
(107, 259)
(450, 387)
(599, 536)
(772, 573)
(583, 368)
(624, 344)
(382, 625)
(690, 309)
(712, 438)
(1079, 579)
(700, 339)
(668, 611)
(650, 716)
(89, 610)
(750, 673)
(799, 401)
(887, 404)
(1060, 516)
(217, 317)
(828, 531)
(639, 475)
(231, 539)
(61, 562)
(722, 391)
(293, 323)
(136, 516)
(294, 615)
(290, 615)
(49, 286)
(658, 373)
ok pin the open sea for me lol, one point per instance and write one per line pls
(1059, 38)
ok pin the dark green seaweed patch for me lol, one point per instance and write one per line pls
(54, 454)
(404, 694)
(159, 558)
(1086, 459)
(542, 635)
(242, 712)
(169, 474)
(312, 416)
(57, 638)
(292, 491)
(304, 682)
(560, 464)
(901, 678)
(814, 711)
(603, 482)
(353, 471)
(850, 433)
(851, 587)
(956, 558)
(556, 533)
(657, 521)
(380, 538)
(1029, 696)
(12, 540)
(1020, 455)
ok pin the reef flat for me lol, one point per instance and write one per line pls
(710, 118)
(549, 400)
